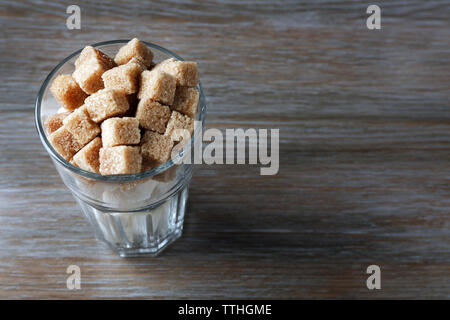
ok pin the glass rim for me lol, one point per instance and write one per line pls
(120, 177)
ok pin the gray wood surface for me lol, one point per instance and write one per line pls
(364, 124)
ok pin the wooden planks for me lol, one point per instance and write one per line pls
(364, 124)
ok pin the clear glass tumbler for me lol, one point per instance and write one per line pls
(133, 214)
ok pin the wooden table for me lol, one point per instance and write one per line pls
(364, 123)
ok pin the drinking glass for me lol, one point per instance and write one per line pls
(134, 214)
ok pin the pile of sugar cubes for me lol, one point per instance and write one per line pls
(122, 115)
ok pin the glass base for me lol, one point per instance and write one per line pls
(142, 232)
(151, 251)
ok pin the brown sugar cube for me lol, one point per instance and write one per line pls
(185, 72)
(141, 66)
(186, 101)
(134, 49)
(55, 121)
(64, 143)
(177, 126)
(152, 115)
(89, 76)
(158, 86)
(80, 125)
(105, 104)
(90, 66)
(124, 78)
(155, 148)
(88, 157)
(89, 53)
(120, 160)
(118, 131)
(67, 92)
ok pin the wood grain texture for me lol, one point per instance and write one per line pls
(364, 174)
